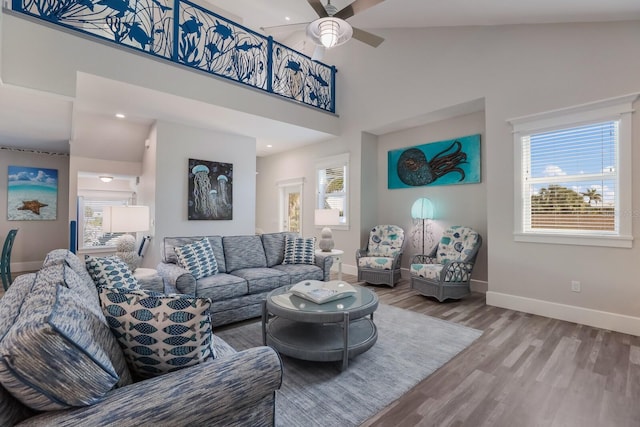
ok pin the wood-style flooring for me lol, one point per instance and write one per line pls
(525, 370)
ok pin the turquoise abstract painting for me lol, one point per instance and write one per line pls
(32, 194)
(454, 161)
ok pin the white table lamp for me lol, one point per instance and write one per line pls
(326, 217)
(126, 219)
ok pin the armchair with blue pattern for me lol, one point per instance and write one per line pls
(379, 263)
(446, 271)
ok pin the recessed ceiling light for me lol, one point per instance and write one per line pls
(105, 178)
(269, 145)
(286, 18)
(120, 115)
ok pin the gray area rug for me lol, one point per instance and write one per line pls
(410, 347)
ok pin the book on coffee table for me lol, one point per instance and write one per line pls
(321, 292)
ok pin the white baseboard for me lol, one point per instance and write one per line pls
(586, 316)
(19, 267)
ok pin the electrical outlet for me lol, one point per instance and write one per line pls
(575, 286)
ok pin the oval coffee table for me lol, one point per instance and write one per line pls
(332, 331)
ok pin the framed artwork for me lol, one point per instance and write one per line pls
(455, 161)
(32, 194)
(210, 190)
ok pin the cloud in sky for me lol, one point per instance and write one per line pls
(553, 170)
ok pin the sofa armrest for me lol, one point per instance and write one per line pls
(219, 392)
(177, 277)
(324, 262)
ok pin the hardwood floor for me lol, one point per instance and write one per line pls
(525, 370)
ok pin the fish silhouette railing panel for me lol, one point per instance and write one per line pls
(188, 34)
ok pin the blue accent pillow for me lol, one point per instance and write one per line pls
(298, 250)
(197, 258)
(110, 272)
(159, 333)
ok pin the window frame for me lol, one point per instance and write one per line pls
(340, 160)
(125, 197)
(285, 187)
(612, 109)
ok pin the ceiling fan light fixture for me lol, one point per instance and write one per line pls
(330, 31)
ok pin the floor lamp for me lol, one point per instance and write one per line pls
(422, 209)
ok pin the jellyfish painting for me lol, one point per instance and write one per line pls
(454, 161)
(210, 190)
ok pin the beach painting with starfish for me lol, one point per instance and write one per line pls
(32, 194)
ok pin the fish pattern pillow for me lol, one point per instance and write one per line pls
(158, 333)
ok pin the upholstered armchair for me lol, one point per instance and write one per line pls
(446, 271)
(379, 263)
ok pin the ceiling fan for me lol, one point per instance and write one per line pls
(331, 28)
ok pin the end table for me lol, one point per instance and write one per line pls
(336, 254)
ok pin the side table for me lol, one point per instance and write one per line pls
(336, 254)
(149, 279)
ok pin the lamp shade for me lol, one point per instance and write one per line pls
(422, 209)
(327, 217)
(125, 219)
(329, 31)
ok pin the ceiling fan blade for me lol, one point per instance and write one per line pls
(318, 53)
(318, 7)
(366, 37)
(355, 7)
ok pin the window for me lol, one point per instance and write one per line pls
(90, 220)
(332, 186)
(573, 175)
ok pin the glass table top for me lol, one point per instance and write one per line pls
(287, 300)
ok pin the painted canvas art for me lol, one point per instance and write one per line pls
(454, 161)
(210, 190)
(32, 194)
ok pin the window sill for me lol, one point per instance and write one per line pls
(580, 240)
(334, 227)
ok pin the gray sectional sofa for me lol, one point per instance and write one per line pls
(249, 267)
(55, 319)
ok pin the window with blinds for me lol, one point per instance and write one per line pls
(573, 174)
(90, 220)
(332, 186)
(571, 179)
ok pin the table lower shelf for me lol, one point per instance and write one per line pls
(320, 342)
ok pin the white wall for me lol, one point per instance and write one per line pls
(35, 238)
(175, 145)
(518, 70)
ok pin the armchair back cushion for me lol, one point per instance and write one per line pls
(385, 241)
(457, 244)
(170, 243)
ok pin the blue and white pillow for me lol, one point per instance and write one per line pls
(159, 333)
(197, 258)
(110, 272)
(298, 250)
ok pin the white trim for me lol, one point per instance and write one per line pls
(332, 161)
(290, 182)
(585, 316)
(563, 239)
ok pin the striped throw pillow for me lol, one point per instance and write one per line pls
(197, 258)
(298, 250)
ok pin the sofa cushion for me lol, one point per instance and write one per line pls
(222, 286)
(110, 272)
(197, 258)
(263, 279)
(273, 244)
(55, 351)
(298, 250)
(377, 263)
(11, 410)
(159, 333)
(300, 272)
(170, 243)
(243, 252)
(65, 256)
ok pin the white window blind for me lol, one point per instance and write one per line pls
(570, 179)
(91, 220)
(332, 185)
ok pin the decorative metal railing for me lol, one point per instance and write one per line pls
(190, 35)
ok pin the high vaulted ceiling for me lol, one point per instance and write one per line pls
(34, 120)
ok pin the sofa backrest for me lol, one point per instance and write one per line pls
(274, 246)
(170, 243)
(243, 252)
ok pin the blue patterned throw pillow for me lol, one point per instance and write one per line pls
(110, 272)
(197, 258)
(159, 333)
(298, 250)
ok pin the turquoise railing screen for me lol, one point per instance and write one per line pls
(190, 35)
